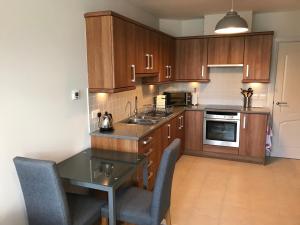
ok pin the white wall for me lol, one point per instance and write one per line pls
(180, 28)
(42, 58)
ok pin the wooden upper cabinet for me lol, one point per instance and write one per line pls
(191, 60)
(257, 58)
(110, 54)
(225, 51)
(147, 44)
(253, 131)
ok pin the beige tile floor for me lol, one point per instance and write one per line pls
(219, 192)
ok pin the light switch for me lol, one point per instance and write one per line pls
(75, 94)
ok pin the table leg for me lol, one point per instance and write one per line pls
(112, 207)
(145, 174)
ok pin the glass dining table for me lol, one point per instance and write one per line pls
(103, 170)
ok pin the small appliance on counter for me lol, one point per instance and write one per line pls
(178, 98)
(247, 97)
(161, 101)
(105, 122)
(195, 97)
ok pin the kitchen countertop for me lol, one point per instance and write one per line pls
(123, 130)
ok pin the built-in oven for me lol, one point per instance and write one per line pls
(221, 128)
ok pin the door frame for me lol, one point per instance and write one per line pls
(273, 79)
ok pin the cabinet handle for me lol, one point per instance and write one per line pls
(170, 73)
(150, 175)
(151, 61)
(179, 122)
(167, 72)
(202, 71)
(244, 122)
(147, 141)
(148, 61)
(247, 70)
(133, 73)
(169, 131)
(149, 152)
(150, 163)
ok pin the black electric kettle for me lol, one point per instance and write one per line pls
(105, 122)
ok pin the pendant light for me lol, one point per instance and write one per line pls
(231, 23)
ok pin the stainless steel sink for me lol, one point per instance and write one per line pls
(143, 120)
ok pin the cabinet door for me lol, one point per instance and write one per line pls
(147, 45)
(142, 50)
(257, 58)
(193, 131)
(166, 134)
(226, 50)
(124, 53)
(253, 132)
(191, 59)
(178, 129)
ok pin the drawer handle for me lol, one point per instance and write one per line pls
(150, 175)
(147, 141)
(169, 131)
(150, 163)
(149, 152)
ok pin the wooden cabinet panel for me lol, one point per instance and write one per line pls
(165, 61)
(147, 44)
(257, 58)
(110, 54)
(253, 133)
(193, 131)
(124, 54)
(191, 60)
(226, 50)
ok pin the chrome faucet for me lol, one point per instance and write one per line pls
(135, 112)
(130, 105)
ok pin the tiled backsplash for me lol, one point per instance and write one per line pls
(223, 89)
(116, 103)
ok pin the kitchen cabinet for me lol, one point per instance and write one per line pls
(193, 131)
(166, 62)
(226, 51)
(110, 53)
(178, 129)
(253, 131)
(147, 50)
(191, 60)
(257, 58)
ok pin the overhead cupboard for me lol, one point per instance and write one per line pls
(120, 50)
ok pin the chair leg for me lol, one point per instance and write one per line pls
(104, 221)
(168, 217)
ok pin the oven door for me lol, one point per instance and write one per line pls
(221, 132)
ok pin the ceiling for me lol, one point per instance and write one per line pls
(187, 9)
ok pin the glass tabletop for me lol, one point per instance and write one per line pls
(99, 167)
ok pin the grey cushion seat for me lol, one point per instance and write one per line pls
(133, 205)
(141, 207)
(84, 210)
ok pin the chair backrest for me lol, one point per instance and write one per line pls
(43, 192)
(163, 184)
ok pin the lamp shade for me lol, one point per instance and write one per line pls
(231, 23)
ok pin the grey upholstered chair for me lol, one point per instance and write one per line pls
(45, 199)
(142, 207)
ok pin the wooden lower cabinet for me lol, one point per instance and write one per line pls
(253, 131)
(193, 131)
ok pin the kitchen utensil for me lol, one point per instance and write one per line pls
(247, 97)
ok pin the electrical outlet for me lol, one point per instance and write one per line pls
(95, 113)
(75, 94)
